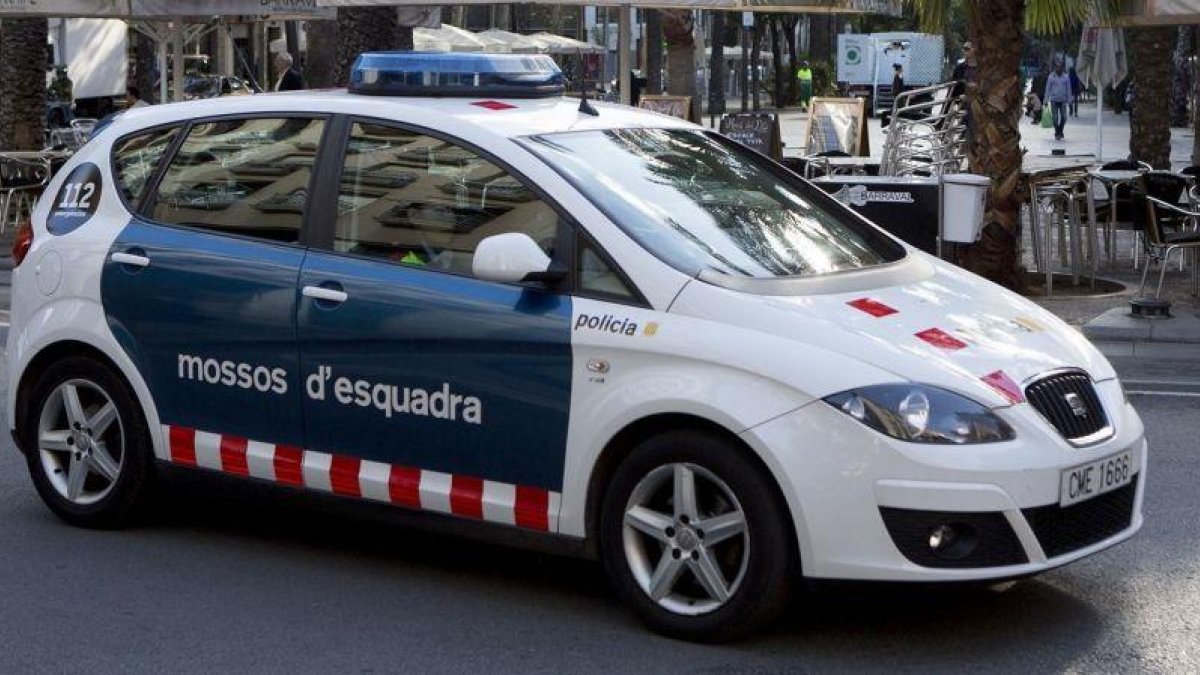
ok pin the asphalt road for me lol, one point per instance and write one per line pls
(227, 576)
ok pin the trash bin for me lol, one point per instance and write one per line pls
(964, 198)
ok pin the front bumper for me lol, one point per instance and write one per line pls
(864, 504)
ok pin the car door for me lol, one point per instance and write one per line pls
(426, 386)
(200, 287)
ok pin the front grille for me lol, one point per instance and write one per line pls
(1069, 403)
(1062, 529)
(992, 540)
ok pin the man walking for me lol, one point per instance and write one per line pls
(1058, 95)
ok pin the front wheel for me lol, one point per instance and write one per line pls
(695, 538)
(87, 445)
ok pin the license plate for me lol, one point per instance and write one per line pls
(1093, 479)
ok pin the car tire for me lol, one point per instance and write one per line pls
(641, 526)
(87, 444)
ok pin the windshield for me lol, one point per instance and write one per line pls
(698, 201)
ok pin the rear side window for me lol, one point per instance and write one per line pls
(136, 158)
(241, 176)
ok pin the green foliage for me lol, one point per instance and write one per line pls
(1047, 17)
(824, 76)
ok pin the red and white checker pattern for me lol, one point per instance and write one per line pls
(464, 496)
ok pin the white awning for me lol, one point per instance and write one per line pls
(889, 7)
(516, 43)
(1157, 13)
(559, 44)
(165, 9)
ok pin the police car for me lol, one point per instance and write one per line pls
(452, 289)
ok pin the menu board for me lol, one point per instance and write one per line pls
(837, 125)
(759, 131)
(675, 106)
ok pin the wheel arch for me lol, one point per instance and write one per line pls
(48, 354)
(623, 442)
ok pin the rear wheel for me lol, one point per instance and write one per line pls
(88, 448)
(695, 539)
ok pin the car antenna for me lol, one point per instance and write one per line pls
(585, 107)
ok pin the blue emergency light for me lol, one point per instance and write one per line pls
(455, 74)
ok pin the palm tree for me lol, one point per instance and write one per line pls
(1150, 118)
(364, 29)
(22, 84)
(997, 30)
(681, 55)
(322, 37)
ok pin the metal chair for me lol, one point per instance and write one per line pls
(21, 183)
(1161, 213)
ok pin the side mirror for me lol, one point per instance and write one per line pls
(512, 257)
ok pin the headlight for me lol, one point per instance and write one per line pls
(922, 414)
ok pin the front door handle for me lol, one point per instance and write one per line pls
(324, 294)
(130, 259)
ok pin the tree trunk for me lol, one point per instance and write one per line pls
(716, 66)
(779, 95)
(790, 22)
(755, 55)
(362, 29)
(681, 53)
(654, 51)
(320, 69)
(144, 60)
(22, 84)
(1150, 118)
(994, 149)
(1181, 88)
(1196, 104)
(820, 37)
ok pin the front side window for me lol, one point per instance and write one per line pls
(241, 176)
(699, 202)
(136, 158)
(417, 200)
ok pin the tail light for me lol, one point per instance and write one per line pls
(22, 242)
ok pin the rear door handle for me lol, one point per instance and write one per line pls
(325, 294)
(130, 259)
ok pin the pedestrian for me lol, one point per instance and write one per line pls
(289, 78)
(804, 74)
(1076, 91)
(1033, 106)
(897, 79)
(1057, 95)
(133, 98)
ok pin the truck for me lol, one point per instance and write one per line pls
(865, 61)
(95, 54)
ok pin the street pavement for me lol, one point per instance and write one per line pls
(231, 576)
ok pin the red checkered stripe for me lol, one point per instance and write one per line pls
(463, 496)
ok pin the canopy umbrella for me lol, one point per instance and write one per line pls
(516, 43)
(625, 14)
(1101, 63)
(559, 44)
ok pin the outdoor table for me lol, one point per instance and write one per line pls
(1111, 180)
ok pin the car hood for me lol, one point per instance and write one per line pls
(922, 320)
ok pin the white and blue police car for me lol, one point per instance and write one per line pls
(452, 289)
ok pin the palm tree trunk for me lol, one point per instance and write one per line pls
(681, 53)
(1181, 85)
(362, 29)
(322, 38)
(780, 94)
(790, 22)
(22, 84)
(1150, 117)
(996, 28)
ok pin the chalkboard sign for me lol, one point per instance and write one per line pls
(756, 130)
(837, 125)
(675, 106)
